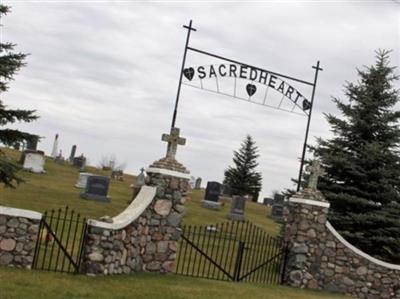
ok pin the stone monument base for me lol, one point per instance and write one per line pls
(95, 197)
(236, 217)
(211, 205)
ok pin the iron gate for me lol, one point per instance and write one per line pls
(232, 251)
(60, 241)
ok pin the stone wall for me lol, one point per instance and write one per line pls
(149, 242)
(18, 235)
(319, 258)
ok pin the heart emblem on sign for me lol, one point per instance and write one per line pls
(189, 73)
(306, 105)
(251, 89)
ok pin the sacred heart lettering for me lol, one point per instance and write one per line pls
(251, 89)
(306, 105)
(189, 73)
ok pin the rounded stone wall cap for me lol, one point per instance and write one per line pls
(310, 202)
(20, 213)
(131, 213)
(168, 172)
(358, 251)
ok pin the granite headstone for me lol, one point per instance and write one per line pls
(72, 154)
(79, 161)
(197, 184)
(211, 198)
(97, 188)
(277, 206)
(237, 208)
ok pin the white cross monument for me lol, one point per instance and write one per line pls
(316, 171)
(173, 140)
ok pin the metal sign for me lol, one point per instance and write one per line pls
(256, 82)
(249, 83)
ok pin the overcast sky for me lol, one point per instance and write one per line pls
(104, 75)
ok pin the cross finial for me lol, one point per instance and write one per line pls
(190, 28)
(317, 67)
(316, 171)
(173, 140)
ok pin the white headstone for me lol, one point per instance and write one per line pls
(34, 162)
(82, 180)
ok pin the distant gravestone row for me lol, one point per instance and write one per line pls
(216, 191)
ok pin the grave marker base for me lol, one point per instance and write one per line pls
(211, 205)
(95, 197)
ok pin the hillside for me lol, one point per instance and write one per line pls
(55, 189)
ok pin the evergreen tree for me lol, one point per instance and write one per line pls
(243, 179)
(10, 63)
(363, 164)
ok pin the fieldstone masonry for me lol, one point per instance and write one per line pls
(149, 243)
(18, 237)
(319, 258)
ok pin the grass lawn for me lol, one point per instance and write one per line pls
(55, 189)
(16, 284)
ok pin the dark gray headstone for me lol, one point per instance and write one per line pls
(31, 144)
(72, 155)
(277, 211)
(79, 161)
(268, 201)
(237, 208)
(97, 188)
(213, 191)
(278, 198)
(117, 175)
(197, 184)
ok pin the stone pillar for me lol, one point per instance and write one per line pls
(305, 228)
(18, 235)
(148, 242)
(172, 182)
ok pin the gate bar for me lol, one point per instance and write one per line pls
(59, 244)
(38, 242)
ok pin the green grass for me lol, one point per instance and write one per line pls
(16, 284)
(55, 189)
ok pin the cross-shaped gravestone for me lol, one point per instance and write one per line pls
(173, 140)
(316, 171)
(141, 178)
